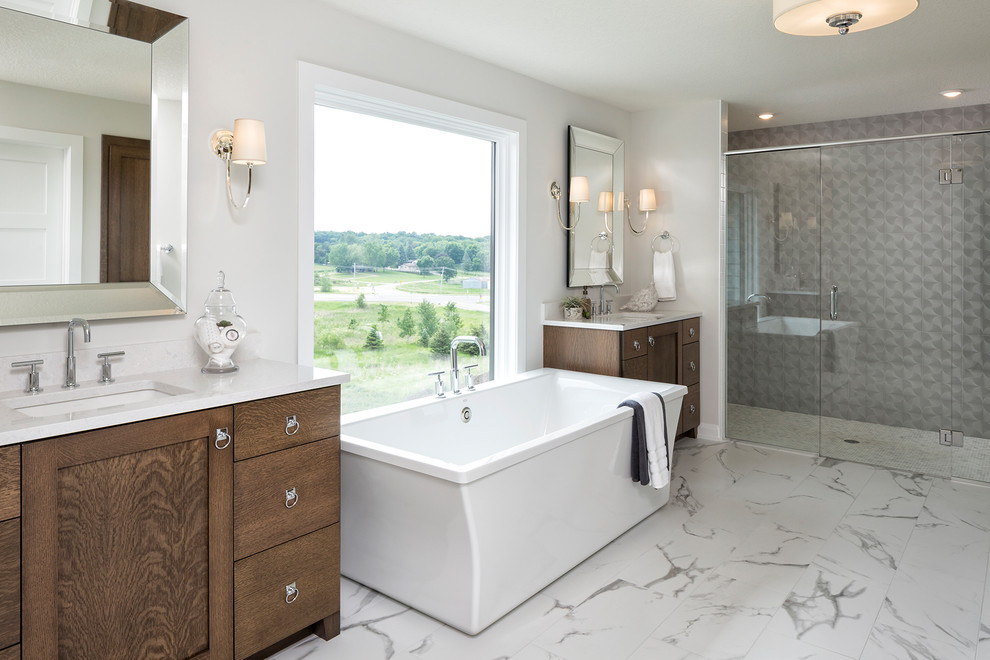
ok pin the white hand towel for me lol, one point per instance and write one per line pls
(658, 458)
(663, 275)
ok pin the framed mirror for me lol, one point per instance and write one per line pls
(93, 133)
(594, 248)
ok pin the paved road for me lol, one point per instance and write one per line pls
(386, 293)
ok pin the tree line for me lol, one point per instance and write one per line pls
(431, 252)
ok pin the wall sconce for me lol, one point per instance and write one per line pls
(577, 194)
(647, 203)
(244, 146)
(605, 202)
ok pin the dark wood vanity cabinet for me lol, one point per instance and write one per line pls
(126, 541)
(665, 353)
(149, 540)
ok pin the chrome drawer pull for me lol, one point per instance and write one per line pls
(223, 439)
(653, 342)
(291, 423)
(635, 344)
(291, 593)
(693, 366)
(690, 332)
(692, 409)
(291, 498)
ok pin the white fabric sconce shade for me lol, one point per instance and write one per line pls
(579, 189)
(605, 201)
(249, 142)
(647, 199)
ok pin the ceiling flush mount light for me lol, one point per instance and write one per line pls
(766, 116)
(822, 18)
(951, 93)
(245, 145)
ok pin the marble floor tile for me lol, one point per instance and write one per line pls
(503, 639)
(729, 610)
(928, 614)
(762, 554)
(771, 646)
(611, 623)
(830, 609)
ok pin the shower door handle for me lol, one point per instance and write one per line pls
(833, 310)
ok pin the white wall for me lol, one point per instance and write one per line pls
(677, 150)
(254, 74)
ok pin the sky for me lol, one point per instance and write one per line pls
(379, 175)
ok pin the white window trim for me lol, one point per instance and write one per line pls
(349, 92)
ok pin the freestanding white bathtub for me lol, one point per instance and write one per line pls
(464, 520)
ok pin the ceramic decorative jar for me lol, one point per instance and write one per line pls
(219, 330)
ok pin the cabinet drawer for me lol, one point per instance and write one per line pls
(263, 426)
(261, 614)
(690, 331)
(690, 410)
(10, 582)
(10, 482)
(634, 343)
(286, 494)
(691, 364)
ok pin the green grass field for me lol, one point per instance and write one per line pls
(397, 372)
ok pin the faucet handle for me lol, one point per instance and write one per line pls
(34, 385)
(438, 386)
(470, 377)
(107, 376)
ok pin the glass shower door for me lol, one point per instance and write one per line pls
(970, 303)
(772, 298)
(886, 339)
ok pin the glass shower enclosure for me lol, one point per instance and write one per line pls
(857, 302)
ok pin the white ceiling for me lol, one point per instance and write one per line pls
(641, 54)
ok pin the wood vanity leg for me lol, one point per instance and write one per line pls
(328, 628)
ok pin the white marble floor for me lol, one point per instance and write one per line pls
(762, 554)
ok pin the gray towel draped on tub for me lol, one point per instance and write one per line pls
(639, 457)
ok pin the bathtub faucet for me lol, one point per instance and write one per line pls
(455, 374)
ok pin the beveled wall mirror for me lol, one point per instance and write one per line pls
(594, 248)
(92, 160)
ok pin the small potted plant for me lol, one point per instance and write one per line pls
(572, 307)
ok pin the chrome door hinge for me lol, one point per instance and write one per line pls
(949, 176)
(950, 438)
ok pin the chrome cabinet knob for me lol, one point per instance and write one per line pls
(692, 409)
(291, 498)
(291, 425)
(636, 344)
(653, 342)
(693, 366)
(291, 593)
(222, 440)
(691, 332)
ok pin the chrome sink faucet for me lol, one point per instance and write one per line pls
(601, 296)
(455, 374)
(70, 360)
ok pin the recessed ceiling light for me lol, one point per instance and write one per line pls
(951, 93)
(766, 115)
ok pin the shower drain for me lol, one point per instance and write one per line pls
(465, 414)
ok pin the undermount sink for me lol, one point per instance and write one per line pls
(631, 317)
(90, 397)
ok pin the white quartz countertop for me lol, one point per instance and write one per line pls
(184, 390)
(617, 320)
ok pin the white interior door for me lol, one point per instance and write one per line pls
(34, 227)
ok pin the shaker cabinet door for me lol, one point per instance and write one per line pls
(126, 541)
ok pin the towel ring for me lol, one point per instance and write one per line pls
(602, 237)
(666, 237)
